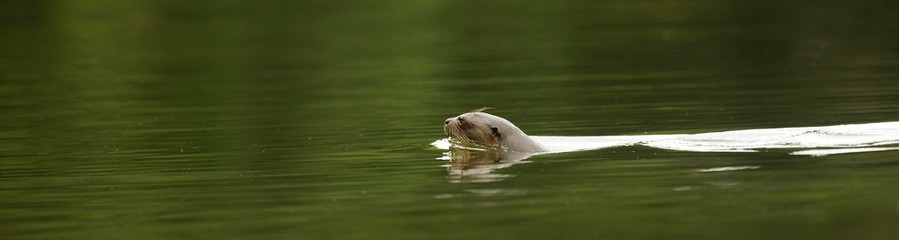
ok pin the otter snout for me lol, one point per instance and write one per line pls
(453, 119)
(446, 124)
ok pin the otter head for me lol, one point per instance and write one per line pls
(484, 130)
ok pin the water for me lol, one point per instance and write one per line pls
(313, 120)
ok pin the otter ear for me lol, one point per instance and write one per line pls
(496, 136)
(495, 131)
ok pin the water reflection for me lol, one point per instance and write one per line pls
(475, 165)
(486, 192)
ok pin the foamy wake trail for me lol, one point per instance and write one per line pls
(837, 139)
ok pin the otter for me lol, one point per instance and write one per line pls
(483, 130)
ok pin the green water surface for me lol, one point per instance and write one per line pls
(312, 119)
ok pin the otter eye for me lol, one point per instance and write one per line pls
(461, 119)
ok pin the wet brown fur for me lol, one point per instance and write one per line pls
(483, 130)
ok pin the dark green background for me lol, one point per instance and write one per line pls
(312, 119)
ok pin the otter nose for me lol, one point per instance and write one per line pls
(447, 121)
